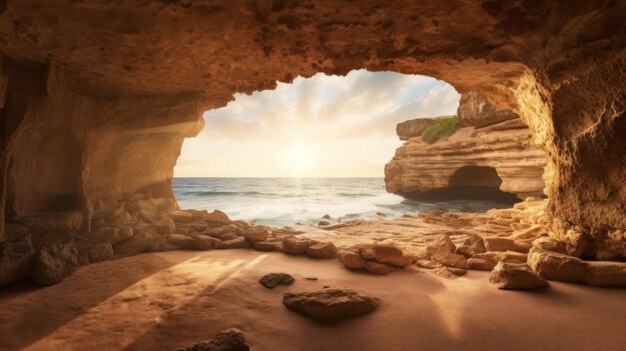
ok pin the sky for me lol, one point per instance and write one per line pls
(323, 126)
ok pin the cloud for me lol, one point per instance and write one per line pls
(342, 118)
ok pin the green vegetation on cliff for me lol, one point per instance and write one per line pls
(443, 128)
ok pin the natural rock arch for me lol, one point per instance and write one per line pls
(138, 74)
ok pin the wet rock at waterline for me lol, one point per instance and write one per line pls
(331, 303)
(515, 276)
(228, 340)
(273, 280)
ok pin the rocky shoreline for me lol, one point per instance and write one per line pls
(445, 243)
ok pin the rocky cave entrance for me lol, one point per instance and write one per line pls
(324, 127)
(477, 182)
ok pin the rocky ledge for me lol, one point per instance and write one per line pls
(490, 152)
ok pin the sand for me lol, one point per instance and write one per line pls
(162, 301)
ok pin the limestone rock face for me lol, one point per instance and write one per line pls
(498, 157)
(415, 127)
(476, 111)
(331, 303)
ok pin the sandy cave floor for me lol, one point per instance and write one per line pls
(162, 301)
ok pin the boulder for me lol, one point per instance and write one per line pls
(521, 246)
(379, 268)
(16, 259)
(449, 272)
(62, 221)
(180, 241)
(331, 303)
(53, 263)
(135, 244)
(545, 243)
(499, 244)
(216, 219)
(268, 245)
(556, 266)
(605, 273)
(443, 245)
(100, 252)
(164, 226)
(515, 276)
(385, 253)
(351, 259)
(203, 242)
(480, 264)
(296, 246)
(322, 250)
(442, 250)
(113, 235)
(428, 264)
(180, 216)
(13, 230)
(231, 229)
(576, 242)
(256, 233)
(228, 340)
(272, 280)
(507, 257)
(471, 246)
(237, 243)
(451, 260)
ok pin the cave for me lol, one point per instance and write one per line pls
(96, 98)
(477, 182)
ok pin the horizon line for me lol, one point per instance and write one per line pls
(277, 177)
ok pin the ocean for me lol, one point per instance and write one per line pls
(287, 201)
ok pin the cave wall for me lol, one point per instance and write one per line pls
(558, 65)
(71, 152)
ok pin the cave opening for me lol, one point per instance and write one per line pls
(309, 149)
(478, 182)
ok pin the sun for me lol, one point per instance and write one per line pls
(300, 158)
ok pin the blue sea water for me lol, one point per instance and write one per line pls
(286, 201)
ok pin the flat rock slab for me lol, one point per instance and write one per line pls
(273, 280)
(228, 340)
(515, 276)
(331, 303)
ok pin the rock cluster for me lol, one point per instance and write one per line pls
(378, 259)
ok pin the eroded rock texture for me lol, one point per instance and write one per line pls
(492, 151)
(97, 96)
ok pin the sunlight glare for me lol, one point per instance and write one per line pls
(300, 158)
